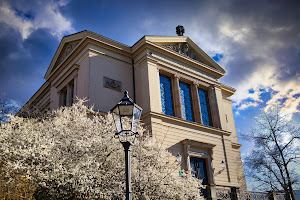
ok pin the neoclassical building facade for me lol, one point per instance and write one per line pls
(175, 82)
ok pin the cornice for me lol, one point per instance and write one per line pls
(178, 58)
(236, 145)
(187, 60)
(111, 57)
(229, 90)
(186, 123)
(226, 184)
(38, 93)
(86, 38)
(167, 65)
(62, 77)
(198, 144)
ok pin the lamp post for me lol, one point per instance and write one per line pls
(223, 165)
(126, 115)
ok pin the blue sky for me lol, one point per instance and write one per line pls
(257, 42)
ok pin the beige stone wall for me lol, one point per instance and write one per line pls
(171, 133)
(111, 67)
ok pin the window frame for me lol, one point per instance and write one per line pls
(192, 148)
(171, 92)
(205, 180)
(208, 106)
(190, 99)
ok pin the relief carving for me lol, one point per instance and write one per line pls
(184, 49)
(112, 84)
(69, 48)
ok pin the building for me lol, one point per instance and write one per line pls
(172, 79)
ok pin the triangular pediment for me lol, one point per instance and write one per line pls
(67, 45)
(186, 47)
(67, 49)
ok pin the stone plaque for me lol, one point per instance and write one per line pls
(112, 84)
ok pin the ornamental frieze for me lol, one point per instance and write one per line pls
(183, 49)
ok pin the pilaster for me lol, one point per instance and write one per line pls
(196, 103)
(75, 88)
(69, 92)
(213, 107)
(176, 96)
(220, 108)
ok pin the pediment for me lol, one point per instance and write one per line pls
(66, 50)
(186, 47)
(67, 45)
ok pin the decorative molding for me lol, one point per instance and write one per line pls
(176, 75)
(67, 50)
(198, 144)
(236, 145)
(183, 49)
(196, 83)
(185, 123)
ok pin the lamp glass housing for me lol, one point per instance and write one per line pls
(178, 158)
(126, 115)
(223, 165)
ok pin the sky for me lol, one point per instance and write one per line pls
(257, 42)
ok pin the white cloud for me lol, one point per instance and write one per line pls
(45, 15)
(8, 16)
(254, 57)
(246, 105)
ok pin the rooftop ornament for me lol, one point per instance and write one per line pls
(180, 30)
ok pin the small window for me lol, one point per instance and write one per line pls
(198, 169)
(205, 109)
(186, 101)
(166, 95)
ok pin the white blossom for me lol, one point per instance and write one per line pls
(73, 153)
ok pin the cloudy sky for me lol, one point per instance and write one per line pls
(257, 42)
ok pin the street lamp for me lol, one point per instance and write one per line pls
(223, 165)
(126, 115)
(178, 157)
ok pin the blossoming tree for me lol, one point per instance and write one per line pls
(72, 154)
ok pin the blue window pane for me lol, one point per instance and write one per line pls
(198, 169)
(186, 101)
(166, 95)
(205, 109)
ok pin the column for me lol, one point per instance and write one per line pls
(176, 96)
(211, 192)
(186, 155)
(196, 103)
